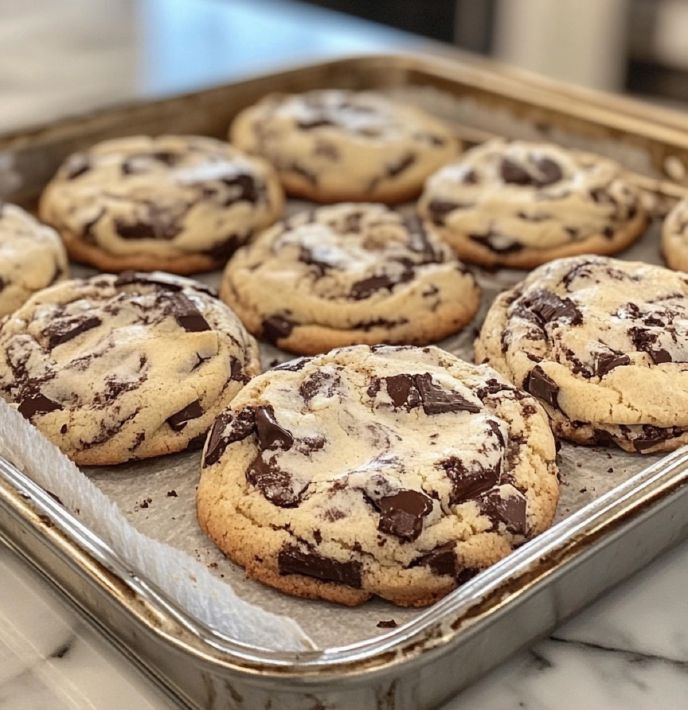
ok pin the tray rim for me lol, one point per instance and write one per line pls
(658, 123)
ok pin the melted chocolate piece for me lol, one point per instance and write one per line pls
(513, 173)
(62, 331)
(511, 511)
(439, 209)
(293, 365)
(277, 327)
(402, 391)
(498, 243)
(606, 362)
(645, 340)
(438, 401)
(270, 434)
(441, 560)
(549, 170)
(367, 287)
(653, 435)
(275, 484)
(248, 191)
(181, 418)
(402, 513)
(542, 386)
(547, 307)
(291, 560)
(468, 483)
(36, 403)
(318, 383)
(135, 230)
(186, 314)
(227, 429)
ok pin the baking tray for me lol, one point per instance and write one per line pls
(618, 511)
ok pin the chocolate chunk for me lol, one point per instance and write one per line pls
(653, 435)
(277, 327)
(513, 173)
(291, 560)
(274, 483)
(439, 209)
(135, 230)
(402, 391)
(270, 434)
(547, 307)
(542, 386)
(499, 243)
(441, 560)
(509, 510)
(549, 170)
(366, 287)
(181, 418)
(247, 190)
(659, 356)
(468, 483)
(606, 362)
(319, 382)
(308, 124)
(645, 341)
(61, 331)
(438, 401)
(227, 429)
(402, 513)
(401, 165)
(186, 314)
(37, 403)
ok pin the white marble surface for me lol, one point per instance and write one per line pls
(628, 651)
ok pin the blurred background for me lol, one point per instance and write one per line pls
(64, 56)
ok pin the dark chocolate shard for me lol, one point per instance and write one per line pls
(245, 188)
(468, 483)
(548, 307)
(441, 560)
(368, 286)
(542, 386)
(292, 560)
(270, 434)
(37, 403)
(181, 418)
(186, 314)
(646, 341)
(293, 365)
(228, 428)
(606, 362)
(319, 383)
(402, 513)
(438, 401)
(402, 391)
(61, 331)
(277, 327)
(275, 484)
(510, 510)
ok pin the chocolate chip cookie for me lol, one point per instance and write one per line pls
(520, 204)
(675, 237)
(391, 471)
(176, 203)
(31, 257)
(125, 367)
(336, 146)
(603, 344)
(347, 274)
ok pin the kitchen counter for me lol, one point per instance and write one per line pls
(629, 650)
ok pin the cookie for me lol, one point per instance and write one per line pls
(520, 205)
(176, 203)
(125, 367)
(31, 257)
(675, 237)
(398, 472)
(347, 274)
(603, 344)
(337, 146)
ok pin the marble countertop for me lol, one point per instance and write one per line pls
(629, 650)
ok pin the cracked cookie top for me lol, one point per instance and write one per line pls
(346, 274)
(603, 344)
(395, 471)
(336, 145)
(183, 203)
(116, 368)
(31, 257)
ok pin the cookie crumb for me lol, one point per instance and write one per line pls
(583, 490)
(145, 502)
(610, 470)
(273, 363)
(387, 624)
(172, 494)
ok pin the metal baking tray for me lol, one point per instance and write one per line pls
(618, 511)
